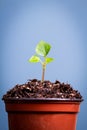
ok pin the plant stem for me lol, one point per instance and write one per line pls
(43, 71)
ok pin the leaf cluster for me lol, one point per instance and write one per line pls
(42, 49)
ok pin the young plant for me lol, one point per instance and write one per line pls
(42, 50)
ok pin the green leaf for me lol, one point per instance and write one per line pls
(34, 59)
(43, 48)
(48, 60)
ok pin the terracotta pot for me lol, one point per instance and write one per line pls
(42, 114)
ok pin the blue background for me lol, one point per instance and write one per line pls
(62, 23)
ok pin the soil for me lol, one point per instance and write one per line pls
(36, 89)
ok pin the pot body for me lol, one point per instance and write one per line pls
(42, 114)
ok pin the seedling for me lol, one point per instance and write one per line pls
(42, 50)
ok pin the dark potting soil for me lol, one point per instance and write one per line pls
(36, 89)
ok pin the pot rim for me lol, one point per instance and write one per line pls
(42, 100)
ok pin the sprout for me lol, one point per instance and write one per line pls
(42, 50)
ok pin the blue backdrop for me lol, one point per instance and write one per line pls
(62, 23)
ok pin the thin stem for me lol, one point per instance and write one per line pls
(43, 71)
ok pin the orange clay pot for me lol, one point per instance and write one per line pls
(42, 114)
